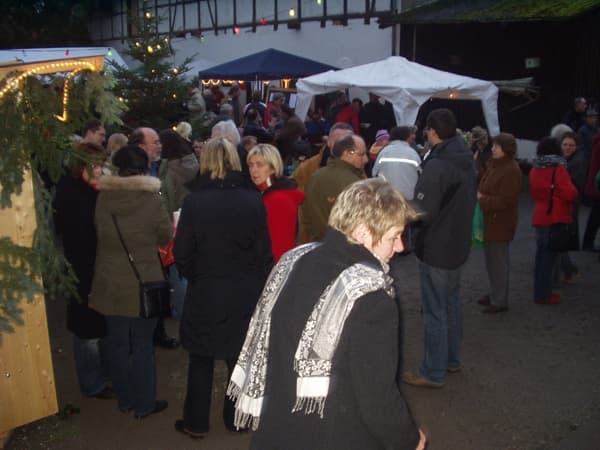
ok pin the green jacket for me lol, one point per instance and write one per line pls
(322, 189)
(144, 223)
(174, 174)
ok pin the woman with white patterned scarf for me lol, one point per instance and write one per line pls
(318, 366)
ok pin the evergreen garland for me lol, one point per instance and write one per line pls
(31, 137)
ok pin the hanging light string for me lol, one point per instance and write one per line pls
(56, 66)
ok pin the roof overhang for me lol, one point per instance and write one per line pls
(491, 11)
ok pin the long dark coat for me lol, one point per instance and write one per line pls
(144, 224)
(364, 409)
(222, 247)
(74, 204)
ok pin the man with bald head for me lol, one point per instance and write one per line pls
(147, 139)
(344, 167)
(314, 163)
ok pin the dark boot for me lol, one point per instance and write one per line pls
(160, 336)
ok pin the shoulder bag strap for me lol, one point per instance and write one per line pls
(129, 257)
(550, 203)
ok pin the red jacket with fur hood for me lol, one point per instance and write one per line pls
(565, 194)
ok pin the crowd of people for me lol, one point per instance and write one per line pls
(290, 274)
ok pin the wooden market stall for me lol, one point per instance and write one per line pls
(27, 385)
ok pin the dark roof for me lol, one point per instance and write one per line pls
(460, 11)
(268, 64)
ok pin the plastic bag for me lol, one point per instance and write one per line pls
(477, 230)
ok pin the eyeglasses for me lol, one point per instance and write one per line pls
(360, 154)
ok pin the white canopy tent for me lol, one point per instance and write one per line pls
(405, 84)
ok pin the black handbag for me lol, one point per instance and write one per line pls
(155, 296)
(560, 235)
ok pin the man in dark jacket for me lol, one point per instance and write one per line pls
(445, 194)
(575, 117)
(344, 167)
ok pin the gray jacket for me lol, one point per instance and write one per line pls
(399, 164)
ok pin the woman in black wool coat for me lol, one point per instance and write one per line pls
(222, 247)
(74, 204)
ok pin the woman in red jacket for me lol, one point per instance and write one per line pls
(280, 195)
(549, 164)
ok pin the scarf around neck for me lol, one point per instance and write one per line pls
(318, 341)
(549, 161)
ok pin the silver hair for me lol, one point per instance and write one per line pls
(228, 130)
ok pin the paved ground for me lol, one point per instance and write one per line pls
(529, 380)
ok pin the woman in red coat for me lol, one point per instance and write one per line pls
(593, 222)
(280, 195)
(549, 164)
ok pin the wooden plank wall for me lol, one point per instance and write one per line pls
(27, 388)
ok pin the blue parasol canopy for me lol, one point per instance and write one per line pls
(269, 64)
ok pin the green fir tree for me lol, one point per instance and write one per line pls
(155, 90)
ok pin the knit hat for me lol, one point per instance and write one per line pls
(477, 134)
(381, 135)
(173, 145)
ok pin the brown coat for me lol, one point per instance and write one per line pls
(302, 175)
(500, 187)
(144, 224)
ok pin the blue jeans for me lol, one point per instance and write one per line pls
(131, 362)
(442, 314)
(545, 259)
(178, 287)
(91, 364)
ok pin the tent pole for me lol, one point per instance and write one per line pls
(414, 43)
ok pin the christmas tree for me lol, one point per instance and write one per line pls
(155, 90)
(35, 136)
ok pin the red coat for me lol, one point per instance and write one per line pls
(590, 188)
(349, 115)
(565, 194)
(282, 218)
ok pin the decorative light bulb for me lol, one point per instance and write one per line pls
(175, 71)
(158, 47)
(150, 49)
(148, 15)
(137, 44)
(109, 52)
(263, 21)
(174, 96)
(292, 12)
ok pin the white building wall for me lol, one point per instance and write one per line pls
(340, 46)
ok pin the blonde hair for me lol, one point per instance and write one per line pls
(218, 157)
(184, 129)
(373, 203)
(271, 156)
(226, 129)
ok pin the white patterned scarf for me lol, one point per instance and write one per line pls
(318, 342)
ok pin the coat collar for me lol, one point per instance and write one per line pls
(232, 180)
(132, 183)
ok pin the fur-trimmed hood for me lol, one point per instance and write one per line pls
(133, 183)
(123, 195)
